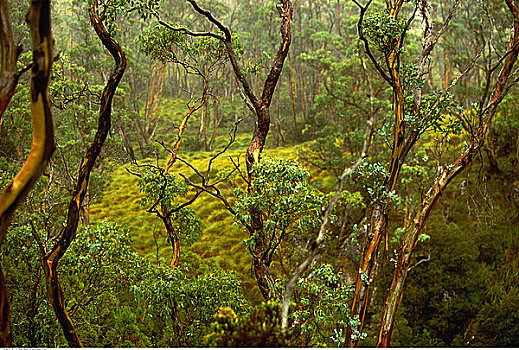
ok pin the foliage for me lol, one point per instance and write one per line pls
(384, 31)
(280, 191)
(259, 328)
(370, 177)
(160, 43)
(162, 189)
(322, 312)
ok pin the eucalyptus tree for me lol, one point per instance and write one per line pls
(43, 133)
(259, 105)
(9, 72)
(51, 258)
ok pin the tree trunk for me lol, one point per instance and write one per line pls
(260, 108)
(9, 51)
(292, 93)
(154, 99)
(43, 136)
(165, 216)
(260, 252)
(412, 233)
(378, 216)
(175, 244)
(51, 259)
(215, 125)
(276, 123)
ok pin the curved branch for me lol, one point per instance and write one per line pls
(43, 134)
(366, 43)
(227, 40)
(189, 32)
(51, 259)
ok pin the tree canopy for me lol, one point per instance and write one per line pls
(289, 173)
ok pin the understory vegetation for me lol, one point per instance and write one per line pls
(248, 174)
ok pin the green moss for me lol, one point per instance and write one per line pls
(222, 239)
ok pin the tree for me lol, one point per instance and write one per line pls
(202, 56)
(478, 138)
(51, 258)
(43, 135)
(260, 107)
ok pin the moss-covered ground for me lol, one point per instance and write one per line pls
(222, 239)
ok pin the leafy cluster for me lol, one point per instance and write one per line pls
(164, 190)
(370, 177)
(160, 188)
(102, 262)
(166, 45)
(280, 191)
(323, 313)
(160, 42)
(384, 31)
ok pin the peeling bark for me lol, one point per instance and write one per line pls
(42, 146)
(413, 230)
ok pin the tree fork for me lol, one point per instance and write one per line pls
(412, 232)
(260, 254)
(260, 108)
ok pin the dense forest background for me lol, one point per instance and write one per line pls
(187, 233)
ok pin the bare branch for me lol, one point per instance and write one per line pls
(325, 218)
(429, 46)
(232, 138)
(187, 31)
(237, 167)
(211, 18)
(419, 262)
(366, 43)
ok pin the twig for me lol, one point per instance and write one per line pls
(324, 225)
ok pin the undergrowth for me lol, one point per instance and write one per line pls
(221, 240)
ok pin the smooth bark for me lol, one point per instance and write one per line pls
(9, 51)
(412, 232)
(51, 259)
(42, 146)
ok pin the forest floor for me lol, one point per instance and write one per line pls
(222, 238)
